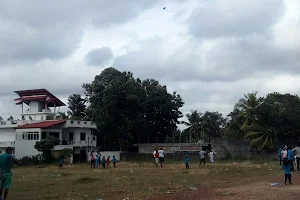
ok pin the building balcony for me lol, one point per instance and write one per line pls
(70, 144)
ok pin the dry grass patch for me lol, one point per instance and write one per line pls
(133, 180)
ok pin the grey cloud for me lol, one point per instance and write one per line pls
(36, 30)
(228, 60)
(99, 56)
(242, 18)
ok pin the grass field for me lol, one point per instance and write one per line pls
(240, 180)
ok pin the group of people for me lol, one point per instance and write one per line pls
(95, 158)
(202, 154)
(159, 157)
(287, 156)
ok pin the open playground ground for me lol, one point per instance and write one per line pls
(140, 180)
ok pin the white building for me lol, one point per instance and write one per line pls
(38, 122)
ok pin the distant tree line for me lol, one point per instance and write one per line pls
(129, 110)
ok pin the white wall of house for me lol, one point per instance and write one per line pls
(7, 134)
(25, 141)
(78, 138)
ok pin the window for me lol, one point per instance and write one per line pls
(78, 122)
(72, 122)
(82, 136)
(71, 136)
(85, 122)
(23, 136)
(38, 137)
(44, 135)
(94, 138)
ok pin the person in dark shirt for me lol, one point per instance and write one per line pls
(6, 175)
(287, 171)
(186, 161)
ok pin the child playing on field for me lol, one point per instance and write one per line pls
(114, 160)
(186, 161)
(61, 161)
(103, 162)
(107, 161)
(287, 171)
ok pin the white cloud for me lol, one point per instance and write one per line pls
(210, 52)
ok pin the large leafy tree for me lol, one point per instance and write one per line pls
(234, 123)
(193, 124)
(76, 106)
(213, 125)
(160, 110)
(127, 110)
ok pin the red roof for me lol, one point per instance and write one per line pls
(30, 98)
(27, 93)
(44, 124)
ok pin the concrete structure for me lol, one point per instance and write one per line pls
(38, 122)
(171, 147)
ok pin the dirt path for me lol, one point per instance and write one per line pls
(259, 190)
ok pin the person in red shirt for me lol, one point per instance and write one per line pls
(107, 161)
(156, 155)
(92, 159)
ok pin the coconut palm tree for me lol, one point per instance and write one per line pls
(194, 125)
(248, 107)
(261, 136)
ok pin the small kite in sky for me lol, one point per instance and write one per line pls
(165, 9)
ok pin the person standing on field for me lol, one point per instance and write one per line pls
(279, 155)
(6, 175)
(156, 155)
(202, 157)
(161, 155)
(284, 153)
(296, 151)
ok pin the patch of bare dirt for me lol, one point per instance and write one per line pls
(260, 190)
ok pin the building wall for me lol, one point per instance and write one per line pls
(7, 134)
(76, 136)
(34, 106)
(25, 147)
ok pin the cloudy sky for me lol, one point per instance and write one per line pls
(209, 51)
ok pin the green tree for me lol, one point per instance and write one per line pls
(282, 113)
(127, 110)
(77, 106)
(46, 146)
(213, 125)
(234, 124)
(248, 107)
(194, 125)
(1, 119)
(66, 153)
(261, 136)
(160, 110)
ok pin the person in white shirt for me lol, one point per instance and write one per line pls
(296, 152)
(161, 155)
(211, 156)
(284, 153)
